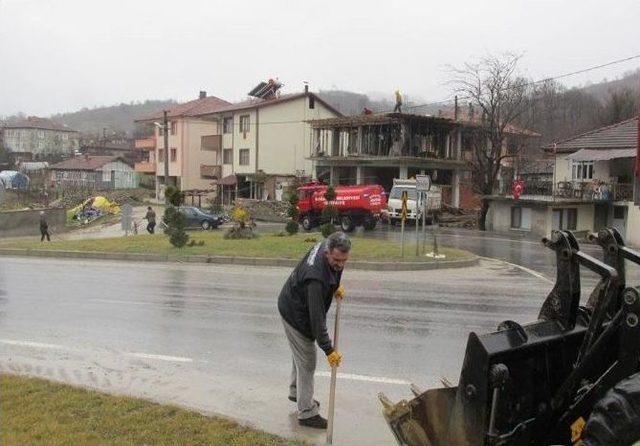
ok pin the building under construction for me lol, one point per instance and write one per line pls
(376, 148)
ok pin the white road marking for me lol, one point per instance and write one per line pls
(523, 268)
(373, 379)
(33, 344)
(160, 357)
(63, 347)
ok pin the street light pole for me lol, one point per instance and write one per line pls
(165, 129)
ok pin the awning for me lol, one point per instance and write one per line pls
(229, 180)
(601, 154)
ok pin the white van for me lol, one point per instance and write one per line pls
(394, 204)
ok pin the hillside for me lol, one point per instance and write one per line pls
(118, 118)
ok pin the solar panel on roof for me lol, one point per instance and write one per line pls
(265, 90)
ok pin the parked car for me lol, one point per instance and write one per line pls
(199, 219)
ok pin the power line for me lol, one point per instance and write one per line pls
(561, 76)
(448, 100)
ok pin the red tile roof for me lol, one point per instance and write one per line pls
(259, 103)
(208, 105)
(34, 122)
(476, 119)
(86, 162)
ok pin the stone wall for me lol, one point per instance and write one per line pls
(22, 223)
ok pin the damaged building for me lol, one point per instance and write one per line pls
(376, 148)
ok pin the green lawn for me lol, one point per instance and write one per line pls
(38, 412)
(266, 245)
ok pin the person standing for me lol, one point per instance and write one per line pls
(44, 227)
(151, 220)
(303, 304)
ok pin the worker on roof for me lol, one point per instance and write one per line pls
(398, 108)
(303, 305)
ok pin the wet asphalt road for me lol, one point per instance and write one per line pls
(209, 337)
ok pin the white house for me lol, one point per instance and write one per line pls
(592, 188)
(94, 172)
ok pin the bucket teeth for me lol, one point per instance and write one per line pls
(445, 382)
(386, 402)
(417, 391)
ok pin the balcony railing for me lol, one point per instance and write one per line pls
(211, 142)
(145, 167)
(208, 171)
(145, 144)
(575, 190)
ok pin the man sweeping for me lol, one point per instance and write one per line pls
(303, 304)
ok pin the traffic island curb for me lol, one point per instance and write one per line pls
(228, 260)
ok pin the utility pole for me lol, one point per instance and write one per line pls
(165, 129)
(455, 109)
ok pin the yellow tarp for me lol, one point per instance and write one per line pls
(106, 206)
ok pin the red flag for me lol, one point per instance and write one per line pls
(517, 187)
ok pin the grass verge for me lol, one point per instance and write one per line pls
(38, 412)
(267, 245)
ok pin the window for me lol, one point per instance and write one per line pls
(174, 155)
(40, 134)
(244, 157)
(174, 127)
(65, 136)
(227, 125)
(572, 219)
(565, 219)
(244, 124)
(161, 155)
(516, 217)
(312, 102)
(520, 218)
(618, 212)
(227, 156)
(582, 170)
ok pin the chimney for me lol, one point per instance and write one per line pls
(203, 94)
(306, 86)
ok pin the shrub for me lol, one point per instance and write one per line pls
(293, 206)
(311, 240)
(240, 233)
(292, 227)
(173, 196)
(327, 229)
(175, 223)
(330, 213)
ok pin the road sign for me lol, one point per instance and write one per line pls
(126, 219)
(403, 212)
(423, 183)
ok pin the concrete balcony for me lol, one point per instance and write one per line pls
(145, 167)
(209, 171)
(146, 144)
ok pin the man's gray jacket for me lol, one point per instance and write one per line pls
(306, 296)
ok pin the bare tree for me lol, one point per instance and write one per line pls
(501, 97)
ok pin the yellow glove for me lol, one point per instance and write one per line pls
(340, 292)
(334, 359)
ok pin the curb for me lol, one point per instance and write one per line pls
(225, 260)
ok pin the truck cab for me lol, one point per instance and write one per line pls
(414, 203)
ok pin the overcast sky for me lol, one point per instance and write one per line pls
(62, 55)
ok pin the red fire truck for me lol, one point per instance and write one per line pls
(357, 205)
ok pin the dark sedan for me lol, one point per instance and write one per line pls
(199, 219)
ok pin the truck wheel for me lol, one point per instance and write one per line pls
(347, 223)
(307, 224)
(615, 419)
(369, 223)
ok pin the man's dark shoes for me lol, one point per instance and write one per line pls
(316, 422)
(295, 400)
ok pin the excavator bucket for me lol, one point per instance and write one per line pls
(518, 383)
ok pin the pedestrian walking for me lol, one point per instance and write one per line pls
(44, 227)
(303, 304)
(151, 220)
